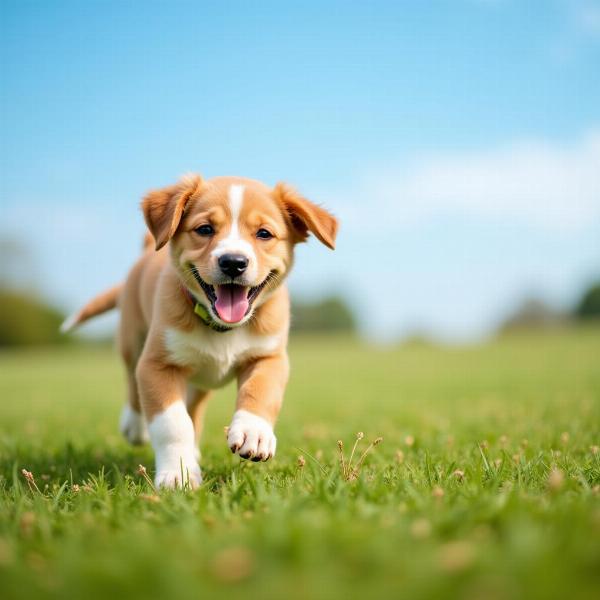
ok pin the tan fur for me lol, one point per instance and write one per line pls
(100, 304)
(160, 338)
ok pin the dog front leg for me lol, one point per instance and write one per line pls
(163, 392)
(261, 386)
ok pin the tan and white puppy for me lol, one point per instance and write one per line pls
(208, 304)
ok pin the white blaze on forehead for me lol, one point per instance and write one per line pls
(234, 243)
(236, 199)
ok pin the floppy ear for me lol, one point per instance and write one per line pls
(306, 216)
(164, 208)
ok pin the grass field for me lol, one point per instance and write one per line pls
(486, 484)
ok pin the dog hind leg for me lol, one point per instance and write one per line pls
(132, 423)
(196, 403)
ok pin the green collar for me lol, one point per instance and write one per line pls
(202, 312)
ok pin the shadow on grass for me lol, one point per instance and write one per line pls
(77, 463)
(73, 462)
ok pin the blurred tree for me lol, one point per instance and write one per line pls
(589, 305)
(25, 321)
(17, 267)
(331, 314)
(533, 314)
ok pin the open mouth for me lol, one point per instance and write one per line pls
(231, 301)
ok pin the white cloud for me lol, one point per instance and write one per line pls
(535, 183)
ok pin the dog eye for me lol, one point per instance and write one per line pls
(263, 234)
(205, 230)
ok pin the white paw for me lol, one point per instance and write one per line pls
(251, 436)
(172, 435)
(133, 426)
(172, 478)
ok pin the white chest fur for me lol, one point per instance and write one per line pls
(214, 356)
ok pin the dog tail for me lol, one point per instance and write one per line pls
(100, 304)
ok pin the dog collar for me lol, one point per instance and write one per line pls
(202, 312)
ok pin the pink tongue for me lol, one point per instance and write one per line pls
(232, 302)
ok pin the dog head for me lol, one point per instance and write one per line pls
(232, 239)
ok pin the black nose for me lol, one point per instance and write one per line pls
(233, 264)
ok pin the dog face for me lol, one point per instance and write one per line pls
(232, 239)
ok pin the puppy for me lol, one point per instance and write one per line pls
(205, 303)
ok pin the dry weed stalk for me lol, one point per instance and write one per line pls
(350, 472)
(142, 471)
(30, 479)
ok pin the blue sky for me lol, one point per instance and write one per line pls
(458, 141)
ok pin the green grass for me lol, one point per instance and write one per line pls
(519, 417)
